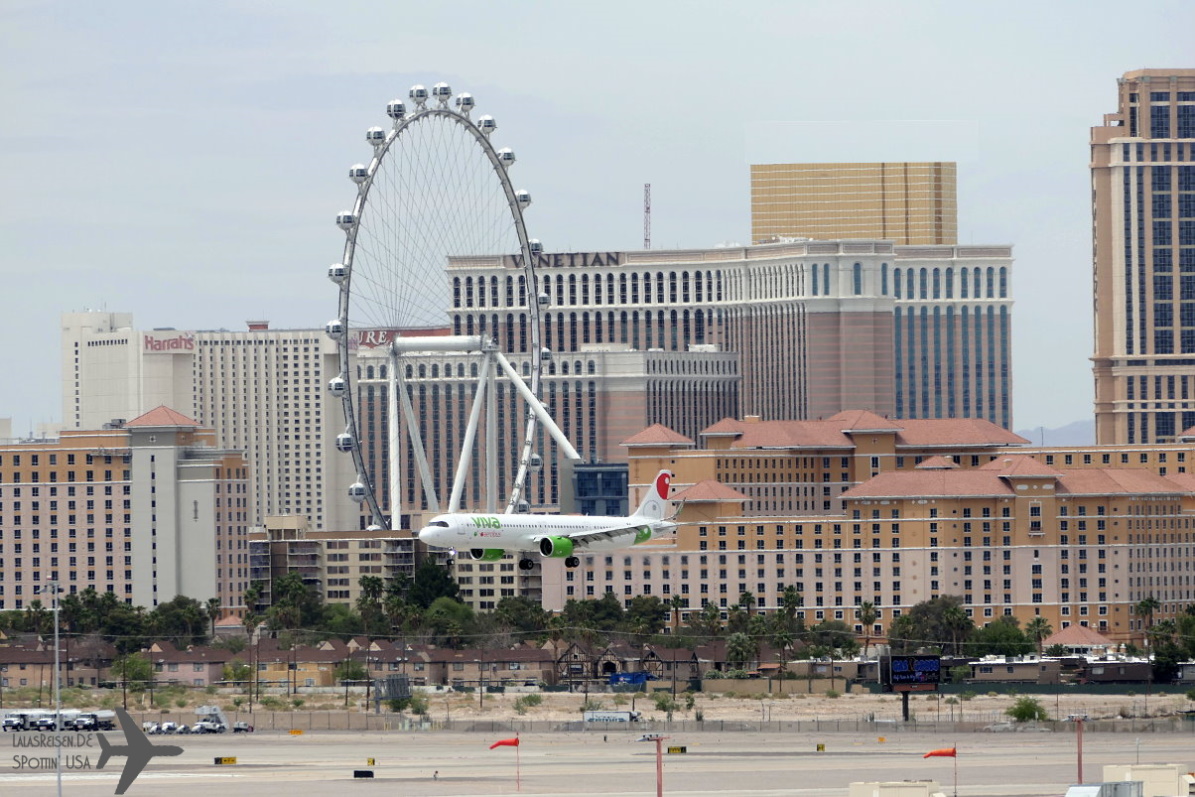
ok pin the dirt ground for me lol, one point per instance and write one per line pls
(983, 707)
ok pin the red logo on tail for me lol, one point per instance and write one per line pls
(662, 484)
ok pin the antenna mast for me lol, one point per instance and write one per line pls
(647, 216)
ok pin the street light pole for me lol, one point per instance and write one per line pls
(54, 588)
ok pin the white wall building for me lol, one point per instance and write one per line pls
(261, 390)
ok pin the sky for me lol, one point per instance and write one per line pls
(185, 161)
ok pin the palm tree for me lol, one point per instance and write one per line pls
(1039, 628)
(1146, 608)
(213, 613)
(955, 618)
(747, 601)
(867, 616)
(741, 649)
(677, 603)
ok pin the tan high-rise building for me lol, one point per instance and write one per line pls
(907, 203)
(1143, 235)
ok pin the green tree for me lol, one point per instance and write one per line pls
(521, 613)
(1001, 637)
(350, 670)
(937, 624)
(1027, 709)
(740, 651)
(237, 672)
(213, 614)
(867, 616)
(645, 615)
(832, 637)
(1038, 629)
(133, 669)
(431, 581)
(676, 604)
(1145, 609)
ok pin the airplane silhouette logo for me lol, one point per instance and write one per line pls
(138, 749)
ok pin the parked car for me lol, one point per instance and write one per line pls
(208, 726)
(242, 727)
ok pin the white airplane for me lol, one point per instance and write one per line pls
(138, 749)
(488, 537)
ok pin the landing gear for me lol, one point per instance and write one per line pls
(526, 564)
(572, 561)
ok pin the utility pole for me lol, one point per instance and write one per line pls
(54, 589)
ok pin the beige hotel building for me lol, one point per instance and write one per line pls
(916, 510)
(147, 510)
(1143, 235)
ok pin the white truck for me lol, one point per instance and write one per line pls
(611, 716)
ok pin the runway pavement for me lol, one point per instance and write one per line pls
(597, 764)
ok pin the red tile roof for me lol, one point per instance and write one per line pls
(837, 430)
(657, 435)
(709, 490)
(919, 483)
(937, 463)
(1021, 465)
(162, 416)
(1076, 635)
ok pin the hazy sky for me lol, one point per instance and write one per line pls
(184, 161)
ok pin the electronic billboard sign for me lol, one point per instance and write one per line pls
(912, 673)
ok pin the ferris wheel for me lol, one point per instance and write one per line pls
(436, 190)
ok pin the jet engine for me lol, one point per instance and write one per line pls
(557, 547)
(486, 554)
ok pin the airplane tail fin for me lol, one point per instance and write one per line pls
(106, 750)
(656, 502)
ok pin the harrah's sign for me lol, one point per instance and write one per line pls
(172, 342)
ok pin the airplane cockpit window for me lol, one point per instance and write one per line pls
(441, 523)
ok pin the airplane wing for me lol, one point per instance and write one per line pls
(135, 762)
(584, 538)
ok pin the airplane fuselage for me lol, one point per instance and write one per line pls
(511, 532)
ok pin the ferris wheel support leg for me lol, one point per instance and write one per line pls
(394, 437)
(491, 440)
(538, 408)
(466, 458)
(425, 471)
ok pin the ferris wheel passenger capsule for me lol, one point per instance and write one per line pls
(523, 198)
(536, 462)
(506, 156)
(464, 102)
(535, 246)
(357, 492)
(344, 442)
(335, 329)
(337, 272)
(486, 124)
(375, 136)
(338, 387)
(345, 220)
(544, 300)
(545, 354)
(522, 507)
(442, 92)
(418, 95)
(358, 173)
(396, 110)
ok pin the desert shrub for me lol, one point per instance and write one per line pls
(1027, 709)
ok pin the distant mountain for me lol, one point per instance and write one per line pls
(1079, 433)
